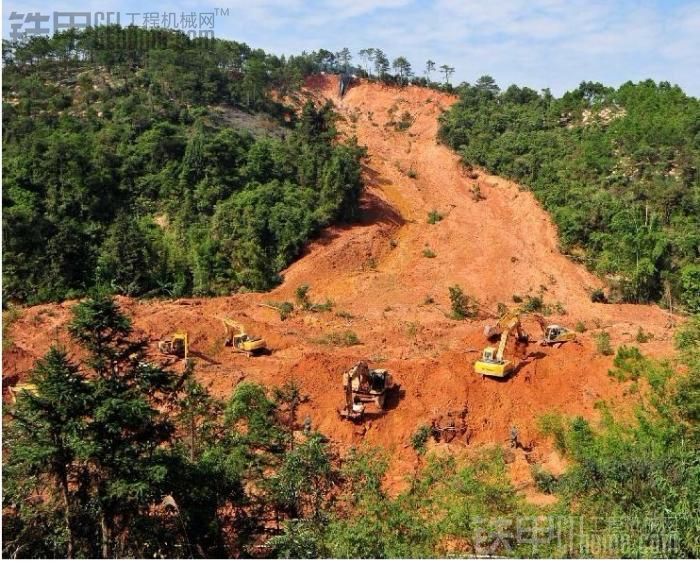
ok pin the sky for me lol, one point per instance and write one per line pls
(537, 43)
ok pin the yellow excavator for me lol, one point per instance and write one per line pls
(236, 336)
(16, 390)
(554, 335)
(492, 362)
(177, 345)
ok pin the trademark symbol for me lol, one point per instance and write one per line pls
(221, 11)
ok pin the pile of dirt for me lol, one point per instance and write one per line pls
(493, 239)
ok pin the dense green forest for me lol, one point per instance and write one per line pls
(113, 456)
(618, 169)
(121, 168)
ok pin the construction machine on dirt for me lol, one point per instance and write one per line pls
(235, 335)
(177, 345)
(363, 385)
(511, 315)
(16, 390)
(492, 362)
(554, 335)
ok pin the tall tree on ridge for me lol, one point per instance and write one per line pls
(429, 68)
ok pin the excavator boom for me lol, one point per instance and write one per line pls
(177, 345)
(492, 362)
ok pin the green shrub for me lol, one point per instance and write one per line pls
(301, 294)
(517, 299)
(545, 481)
(643, 337)
(533, 304)
(602, 342)
(9, 316)
(629, 364)
(284, 308)
(405, 122)
(346, 338)
(428, 252)
(553, 424)
(419, 439)
(434, 216)
(580, 326)
(327, 305)
(462, 305)
(690, 287)
(303, 300)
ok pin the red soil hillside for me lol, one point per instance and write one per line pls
(497, 247)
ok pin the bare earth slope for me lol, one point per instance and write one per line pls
(494, 248)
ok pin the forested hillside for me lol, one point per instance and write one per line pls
(144, 163)
(618, 169)
(123, 167)
(114, 456)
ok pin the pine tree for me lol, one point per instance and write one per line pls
(125, 260)
(381, 63)
(46, 437)
(429, 68)
(127, 466)
(403, 68)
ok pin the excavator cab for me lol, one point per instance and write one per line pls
(235, 335)
(490, 364)
(556, 334)
(489, 355)
(177, 345)
(379, 380)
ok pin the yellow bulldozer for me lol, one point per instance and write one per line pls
(235, 335)
(177, 345)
